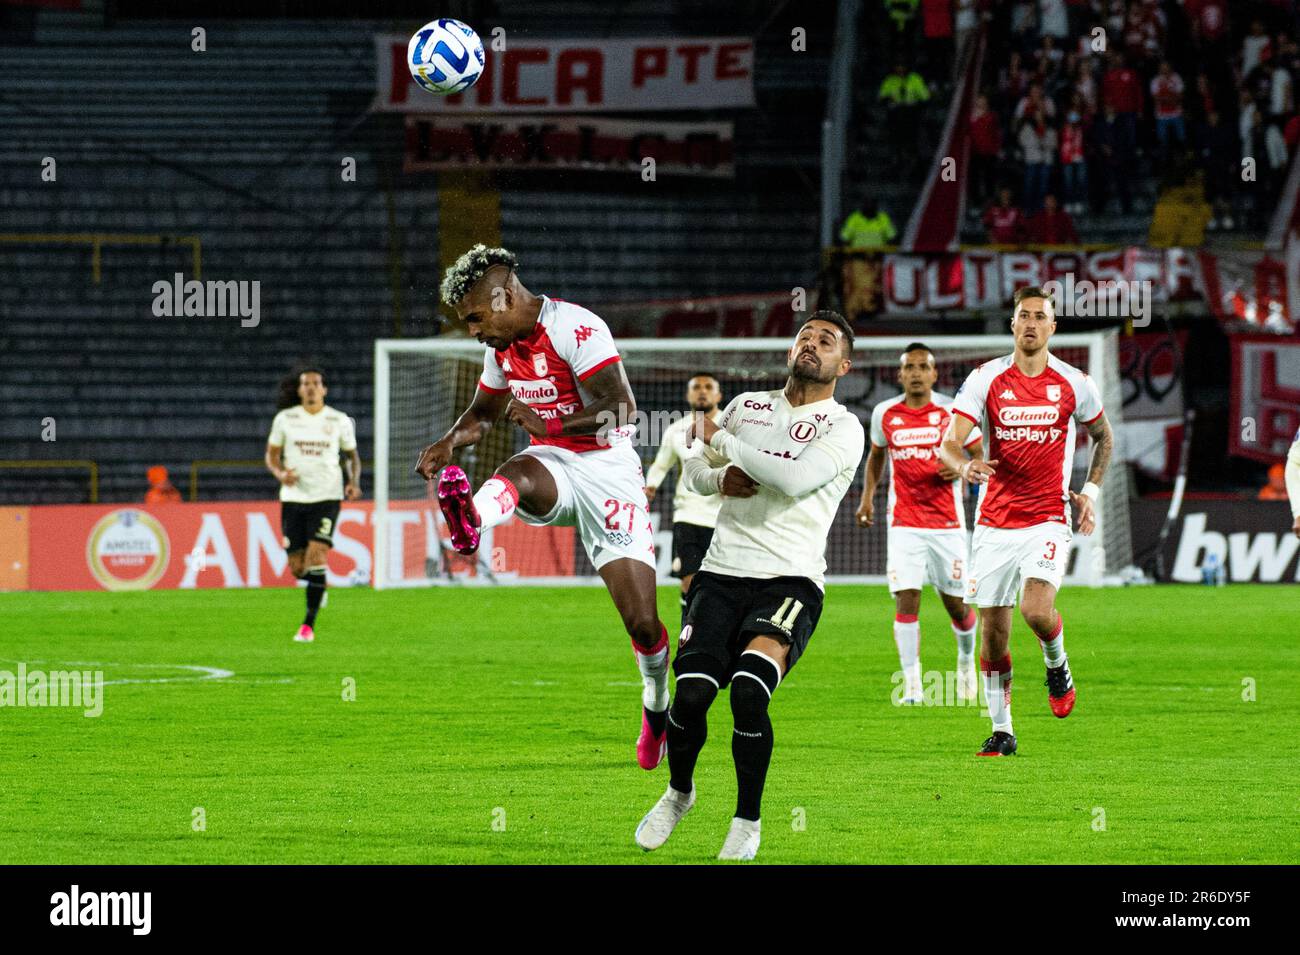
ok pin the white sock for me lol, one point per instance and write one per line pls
(654, 676)
(1054, 646)
(495, 502)
(996, 677)
(965, 638)
(907, 636)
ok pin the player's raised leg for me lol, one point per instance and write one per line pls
(1038, 607)
(964, 621)
(907, 638)
(995, 667)
(631, 585)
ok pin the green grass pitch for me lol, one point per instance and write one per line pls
(497, 725)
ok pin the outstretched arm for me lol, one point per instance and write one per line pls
(952, 452)
(663, 463)
(469, 428)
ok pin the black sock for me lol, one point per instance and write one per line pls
(751, 744)
(688, 727)
(315, 593)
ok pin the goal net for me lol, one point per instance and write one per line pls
(422, 386)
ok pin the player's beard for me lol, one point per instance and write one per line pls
(803, 372)
(705, 407)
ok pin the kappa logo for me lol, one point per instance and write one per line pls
(895, 420)
(582, 333)
(1008, 395)
(505, 365)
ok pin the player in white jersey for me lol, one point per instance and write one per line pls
(783, 461)
(926, 537)
(1031, 400)
(693, 514)
(302, 452)
(552, 369)
(1293, 482)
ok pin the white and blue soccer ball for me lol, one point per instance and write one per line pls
(445, 56)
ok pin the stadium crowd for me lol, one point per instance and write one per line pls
(1090, 98)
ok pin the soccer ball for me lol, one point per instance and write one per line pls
(445, 56)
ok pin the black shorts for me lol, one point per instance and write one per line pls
(690, 541)
(302, 523)
(723, 613)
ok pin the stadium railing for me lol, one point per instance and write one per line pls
(91, 467)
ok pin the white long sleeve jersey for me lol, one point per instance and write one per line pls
(803, 459)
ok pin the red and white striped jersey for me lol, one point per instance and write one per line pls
(1031, 434)
(546, 370)
(918, 496)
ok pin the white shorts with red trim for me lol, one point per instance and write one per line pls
(602, 494)
(917, 554)
(1003, 558)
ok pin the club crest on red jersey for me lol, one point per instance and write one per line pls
(1053, 392)
(539, 365)
(934, 417)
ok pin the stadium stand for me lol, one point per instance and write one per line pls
(234, 154)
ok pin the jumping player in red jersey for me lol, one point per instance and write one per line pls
(927, 524)
(1022, 537)
(552, 369)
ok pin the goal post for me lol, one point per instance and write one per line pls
(422, 386)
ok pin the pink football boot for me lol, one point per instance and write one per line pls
(305, 634)
(650, 749)
(456, 499)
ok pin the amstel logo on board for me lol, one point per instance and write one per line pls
(127, 550)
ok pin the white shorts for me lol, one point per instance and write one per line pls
(602, 494)
(1002, 558)
(916, 555)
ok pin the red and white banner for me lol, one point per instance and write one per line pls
(1150, 367)
(568, 142)
(143, 547)
(935, 224)
(577, 76)
(1245, 289)
(1265, 415)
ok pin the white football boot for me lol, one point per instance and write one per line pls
(659, 823)
(742, 841)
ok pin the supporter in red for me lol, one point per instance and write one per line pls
(1121, 91)
(1052, 225)
(1004, 221)
(1167, 94)
(985, 148)
(937, 27)
(1074, 162)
